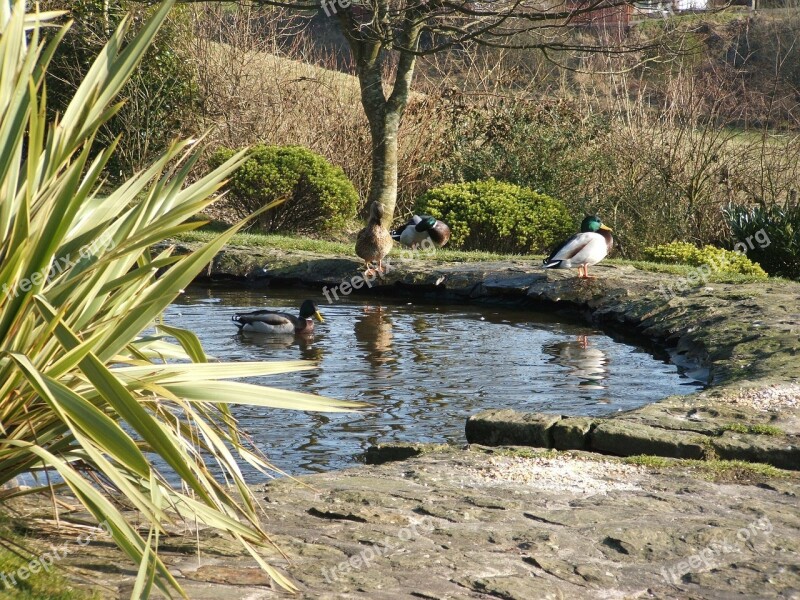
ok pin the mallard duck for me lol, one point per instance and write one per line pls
(583, 249)
(271, 321)
(374, 242)
(420, 228)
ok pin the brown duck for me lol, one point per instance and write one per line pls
(374, 241)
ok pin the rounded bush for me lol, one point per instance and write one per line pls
(723, 262)
(319, 198)
(496, 216)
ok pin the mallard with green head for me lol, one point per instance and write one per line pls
(584, 249)
(374, 241)
(420, 228)
(271, 321)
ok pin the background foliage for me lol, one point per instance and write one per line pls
(318, 196)
(158, 96)
(529, 143)
(781, 224)
(657, 150)
(498, 216)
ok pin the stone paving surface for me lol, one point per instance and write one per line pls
(500, 523)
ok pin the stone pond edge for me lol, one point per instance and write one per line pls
(622, 296)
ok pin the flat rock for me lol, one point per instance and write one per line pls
(505, 427)
(572, 433)
(625, 438)
(487, 523)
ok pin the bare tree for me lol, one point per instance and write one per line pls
(386, 37)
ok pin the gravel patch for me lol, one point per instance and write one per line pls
(588, 477)
(774, 398)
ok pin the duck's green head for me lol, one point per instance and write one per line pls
(308, 309)
(426, 224)
(592, 224)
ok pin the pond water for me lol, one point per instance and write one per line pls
(423, 367)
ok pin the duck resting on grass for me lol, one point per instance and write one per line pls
(374, 241)
(420, 228)
(271, 321)
(584, 249)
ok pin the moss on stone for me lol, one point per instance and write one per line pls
(383, 453)
(716, 470)
(648, 460)
(758, 429)
(17, 556)
(521, 451)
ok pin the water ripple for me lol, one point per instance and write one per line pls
(424, 368)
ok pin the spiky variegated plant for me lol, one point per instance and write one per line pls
(79, 287)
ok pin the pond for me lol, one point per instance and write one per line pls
(423, 367)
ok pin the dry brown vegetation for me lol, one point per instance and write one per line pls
(679, 140)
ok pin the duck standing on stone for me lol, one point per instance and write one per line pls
(374, 241)
(583, 249)
(420, 228)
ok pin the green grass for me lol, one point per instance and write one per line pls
(653, 462)
(753, 429)
(656, 25)
(291, 243)
(751, 135)
(44, 585)
(295, 243)
(521, 451)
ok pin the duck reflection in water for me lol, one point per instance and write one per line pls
(585, 363)
(373, 330)
(282, 341)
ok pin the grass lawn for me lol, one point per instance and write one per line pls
(287, 242)
(294, 243)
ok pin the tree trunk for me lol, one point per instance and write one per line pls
(383, 183)
(384, 122)
(384, 114)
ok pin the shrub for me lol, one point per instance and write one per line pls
(780, 254)
(723, 262)
(319, 198)
(498, 216)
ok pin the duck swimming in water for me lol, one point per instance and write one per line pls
(271, 321)
(583, 249)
